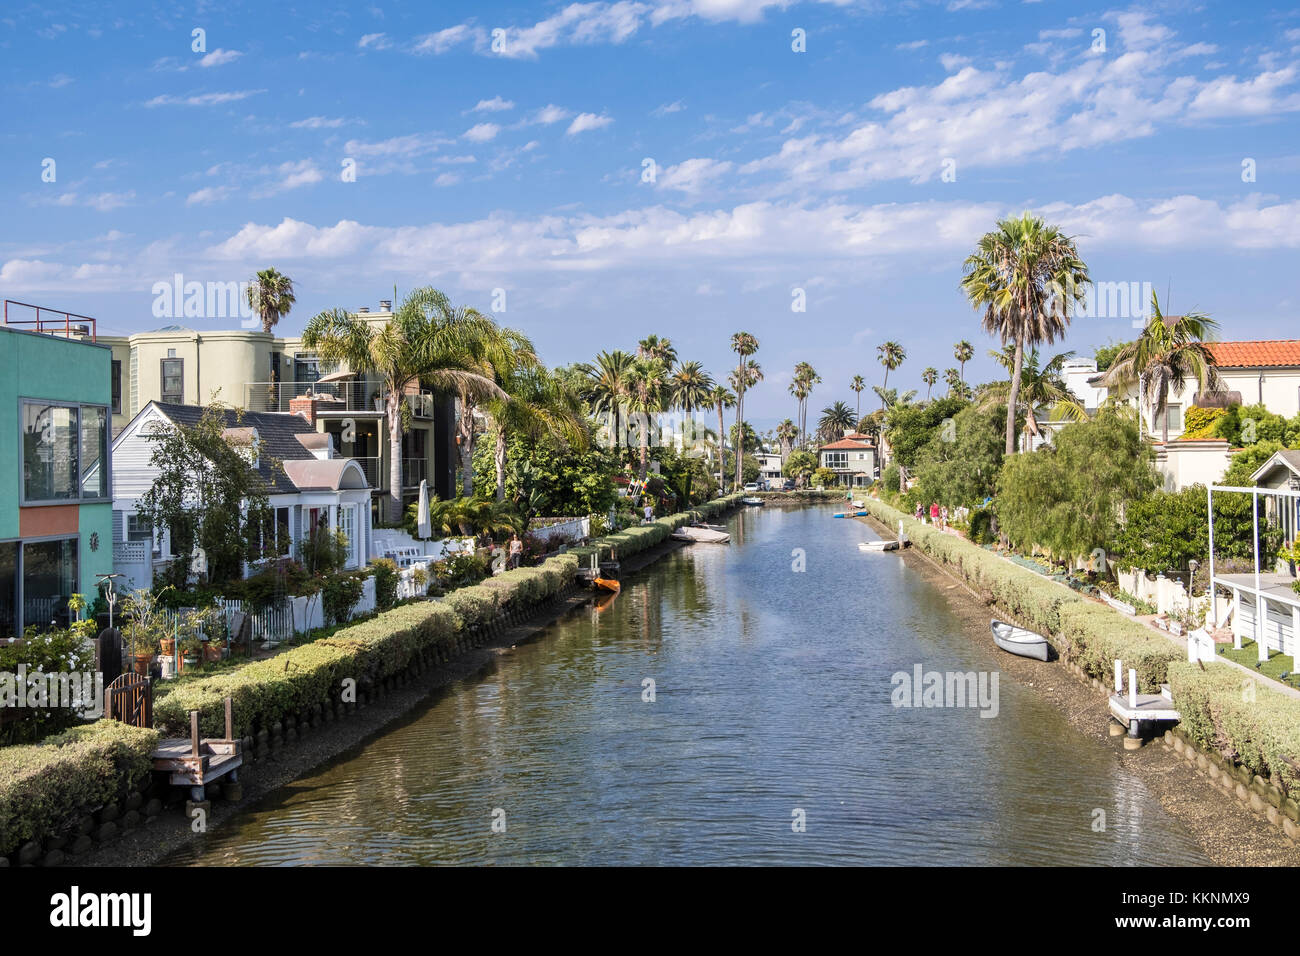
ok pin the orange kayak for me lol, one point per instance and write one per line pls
(608, 584)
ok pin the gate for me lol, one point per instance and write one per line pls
(130, 699)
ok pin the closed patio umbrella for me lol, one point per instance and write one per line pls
(422, 515)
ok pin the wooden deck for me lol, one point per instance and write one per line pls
(195, 762)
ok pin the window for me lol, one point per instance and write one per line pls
(65, 452)
(835, 459)
(117, 387)
(306, 368)
(173, 380)
(1174, 417)
(139, 529)
(8, 590)
(49, 578)
(348, 525)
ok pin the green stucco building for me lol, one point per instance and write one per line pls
(56, 506)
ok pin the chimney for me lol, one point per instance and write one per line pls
(385, 305)
(304, 405)
(364, 308)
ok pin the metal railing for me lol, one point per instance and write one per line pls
(376, 474)
(414, 470)
(56, 322)
(334, 397)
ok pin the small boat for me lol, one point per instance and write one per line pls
(1017, 640)
(609, 584)
(878, 545)
(751, 501)
(702, 534)
(850, 514)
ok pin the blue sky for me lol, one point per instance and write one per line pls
(520, 164)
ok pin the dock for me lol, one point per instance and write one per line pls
(1134, 709)
(195, 762)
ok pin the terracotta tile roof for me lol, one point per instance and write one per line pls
(846, 444)
(1266, 353)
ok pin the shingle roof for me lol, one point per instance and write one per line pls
(847, 444)
(277, 432)
(1266, 353)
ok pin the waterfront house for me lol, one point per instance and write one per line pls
(769, 468)
(55, 511)
(312, 488)
(853, 459)
(263, 372)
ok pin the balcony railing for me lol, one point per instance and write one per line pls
(333, 396)
(376, 474)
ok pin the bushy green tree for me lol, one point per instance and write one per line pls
(1247, 461)
(1071, 496)
(959, 464)
(573, 483)
(1166, 530)
(1248, 425)
(910, 427)
(799, 463)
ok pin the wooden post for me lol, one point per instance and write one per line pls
(230, 728)
(194, 732)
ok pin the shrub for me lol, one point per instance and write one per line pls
(44, 786)
(386, 578)
(339, 595)
(981, 526)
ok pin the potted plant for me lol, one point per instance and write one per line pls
(142, 645)
(191, 650)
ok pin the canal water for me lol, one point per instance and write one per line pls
(771, 738)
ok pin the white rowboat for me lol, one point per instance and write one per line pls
(1017, 640)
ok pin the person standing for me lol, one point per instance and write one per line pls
(649, 512)
(934, 512)
(943, 518)
(516, 551)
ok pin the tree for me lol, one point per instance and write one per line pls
(1039, 388)
(426, 340)
(744, 345)
(786, 433)
(1167, 353)
(1025, 275)
(959, 461)
(609, 377)
(835, 421)
(647, 395)
(721, 399)
(956, 387)
(270, 295)
(653, 347)
(206, 494)
(911, 427)
(1071, 497)
(574, 481)
(929, 376)
(1248, 461)
(805, 378)
(800, 464)
(750, 442)
(858, 384)
(891, 356)
(1165, 531)
(536, 403)
(689, 389)
(963, 352)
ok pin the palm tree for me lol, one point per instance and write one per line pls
(721, 397)
(963, 352)
(956, 387)
(929, 376)
(805, 378)
(1025, 275)
(858, 384)
(891, 356)
(836, 420)
(647, 395)
(270, 295)
(538, 404)
(653, 347)
(689, 390)
(786, 433)
(743, 344)
(1039, 388)
(889, 397)
(1170, 350)
(424, 341)
(608, 378)
(495, 354)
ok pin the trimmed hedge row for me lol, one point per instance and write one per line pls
(1255, 727)
(44, 786)
(1091, 635)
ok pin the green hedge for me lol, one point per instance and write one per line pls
(1090, 634)
(1217, 714)
(44, 786)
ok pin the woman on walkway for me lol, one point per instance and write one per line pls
(516, 551)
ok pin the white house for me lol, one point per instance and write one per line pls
(852, 458)
(769, 468)
(312, 489)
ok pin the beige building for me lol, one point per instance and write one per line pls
(263, 372)
(852, 458)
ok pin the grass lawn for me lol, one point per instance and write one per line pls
(1276, 665)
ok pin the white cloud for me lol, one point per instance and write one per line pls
(587, 121)
(494, 105)
(667, 108)
(693, 175)
(203, 99)
(220, 57)
(60, 80)
(481, 132)
(374, 41)
(551, 114)
(208, 195)
(318, 122)
(444, 40)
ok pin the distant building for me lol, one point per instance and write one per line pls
(56, 531)
(852, 459)
(769, 468)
